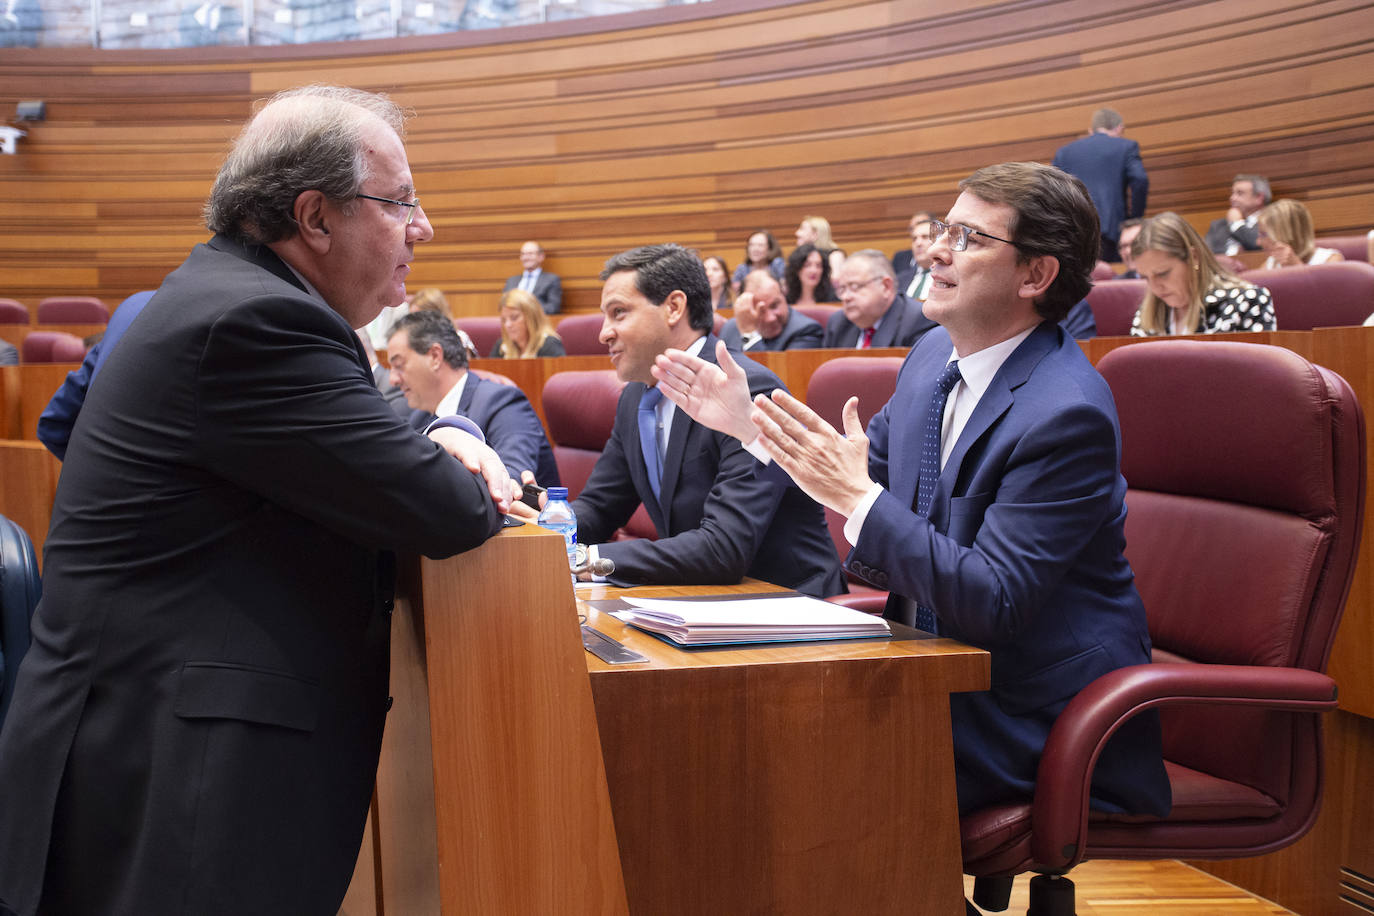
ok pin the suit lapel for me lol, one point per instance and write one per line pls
(469, 392)
(683, 426)
(904, 453)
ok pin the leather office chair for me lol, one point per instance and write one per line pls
(1114, 304)
(581, 335)
(73, 310)
(20, 589)
(835, 381)
(579, 408)
(1243, 528)
(13, 312)
(51, 347)
(485, 331)
(1354, 247)
(1319, 295)
(1103, 271)
(819, 313)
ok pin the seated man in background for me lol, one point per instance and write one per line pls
(536, 281)
(1238, 230)
(775, 324)
(1129, 230)
(875, 313)
(429, 364)
(914, 279)
(717, 519)
(987, 494)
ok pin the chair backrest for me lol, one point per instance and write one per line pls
(819, 313)
(581, 335)
(20, 589)
(485, 331)
(1319, 295)
(835, 381)
(43, 347)
(496, 377)
(1103, 271)
(1114, 304)
(13, 312)
(1243, 526)
(580, 410)
(1354, 247)
(73, 310)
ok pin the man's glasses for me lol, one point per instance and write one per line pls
(411, 205)
(959, 233)
(854, 287)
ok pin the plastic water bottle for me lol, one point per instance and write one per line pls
(557, 515)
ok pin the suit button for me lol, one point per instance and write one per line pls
(389, 605)
(389, 701)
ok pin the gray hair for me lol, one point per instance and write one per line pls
(877, 262)
(309, 138)
(1106, 119)
(1259, 183)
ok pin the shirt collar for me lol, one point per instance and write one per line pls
(977, 369)
(448, 406)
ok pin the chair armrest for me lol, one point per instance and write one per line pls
(1060, 808)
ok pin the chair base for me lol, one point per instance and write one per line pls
(1051, 895)
(992, 894)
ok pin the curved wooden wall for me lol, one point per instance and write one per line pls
(699, 124)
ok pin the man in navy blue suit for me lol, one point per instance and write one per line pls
(429, 364)
(717, 519)
(1110, 166)
(1006, 531)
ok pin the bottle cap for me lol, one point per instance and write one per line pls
(558, 492)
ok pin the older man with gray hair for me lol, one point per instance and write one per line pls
(196, 726)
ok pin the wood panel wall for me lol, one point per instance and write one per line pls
(700, 124)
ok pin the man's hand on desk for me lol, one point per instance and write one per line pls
(716, 396)
(479, 458)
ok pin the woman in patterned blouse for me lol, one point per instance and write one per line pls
(1188, 291)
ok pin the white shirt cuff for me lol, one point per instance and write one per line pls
(756, 449)
(855, 523)
(592, 556)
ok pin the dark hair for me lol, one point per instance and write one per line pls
(425, 329)
(661, 269)
(306, 139)
(729, 291)
(824, 292)
(1130, 223)
(1053, 216)
(774, 249)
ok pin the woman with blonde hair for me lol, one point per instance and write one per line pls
(430, 299)
(1188, 291)
(1285, 231)
(525, 329)
(815, 230)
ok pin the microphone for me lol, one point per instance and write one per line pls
(603, 566)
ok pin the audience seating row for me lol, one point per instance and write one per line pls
(56, 310)
(580, 332)
(52, 347)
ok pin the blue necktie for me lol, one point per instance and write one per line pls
(930, 464)
(648, 435)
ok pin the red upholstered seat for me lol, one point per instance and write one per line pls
(1319, 295)
(1353, 247)
(1114, 304)
(1103, 271)
(581, 335)
(73, 310)
(835, 381)
(1243, 530)
(580, 410)
(13, 312)
(819, 313)
(52, 347)
(485, 331)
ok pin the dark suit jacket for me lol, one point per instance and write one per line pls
(1021, 556)
(510, 424)
(717, 520)
(548, 289)
(901, 326)
(799, 333)
(552, 346)
(197, 724)
(1111, 169)
(1080, 323)
(902, 260)
(1220, 232)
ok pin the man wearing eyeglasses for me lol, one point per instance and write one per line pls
(874, 313)
(987, 495)
(197, 724)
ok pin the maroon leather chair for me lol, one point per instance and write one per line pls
(581, 335)
(835, 381)
(579, 408)
(1354, 247)
(72, 310)
(819, 313)
(1103, 271)
(13, 312)
(1319, 295)
(1245, 509)
(485, 331)
(1114, 304)
(52, 347)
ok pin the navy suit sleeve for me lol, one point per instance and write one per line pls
(56, 422)
(512, 428)
(1137, 181)
(809, 337)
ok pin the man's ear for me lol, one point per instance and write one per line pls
(436, 356)
(313, 218)
(675, 307)
(1042, 269)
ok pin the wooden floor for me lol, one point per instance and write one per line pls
(1108, 888)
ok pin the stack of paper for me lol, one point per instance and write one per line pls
(690, 622)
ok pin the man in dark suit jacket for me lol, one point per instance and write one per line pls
(429, 364)
(872, 303)
(717, 520)
(772, 324)
(197, 724)
(918, 230)
(546, 287)
(1238, 230)
(1109, 166)
(913, 280)
(1016, 545)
